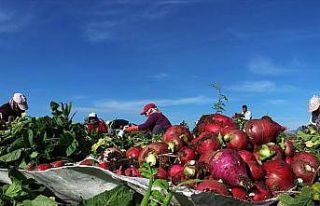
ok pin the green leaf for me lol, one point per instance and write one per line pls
(12, 156)
(54, 105)
(23, 165)
(30, 136)
(14, 190)
(34, 155)
(157, 195)
(302, 199)
(72, 148)
(316, 191)
(160, 184)
(17, 144)
(121, 195)
(40, 201)
(147, 171)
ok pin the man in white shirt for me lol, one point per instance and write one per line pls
(246, 114)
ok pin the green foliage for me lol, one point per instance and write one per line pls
(302, 199)
(44, 139)
(120, 195)
(24, 192)
(238, 120)
(220, 105)
(39, 201)
(308, 139)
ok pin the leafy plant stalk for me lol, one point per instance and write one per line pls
(220, 105)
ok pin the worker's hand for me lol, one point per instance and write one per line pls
(131, 129)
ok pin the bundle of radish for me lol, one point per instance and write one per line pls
(248, 164)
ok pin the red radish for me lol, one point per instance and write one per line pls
(236, 139)
(205, 142)
(222, 119)
(279, 175)
(213, 127)
(226, 164)
(161, 173)
(227, 129)
(103, 165)
(186, 154)
(246, 155)
(264, 130)
(59, 163)
(288, 148)
(256, 170)
(289, 160)
(151, 152)
(213, 186)
(132, 172)
(260, 192)
(203, 121)
(42, 167)
(119, 171)
(213, 120)
(269, 151)
(307, 157)
(239, 193)
(89, 162)
(205, 157)
(176, 137)
(304, 171)
(176, 173)
(278, 150)
(112, 155)
(133, 152)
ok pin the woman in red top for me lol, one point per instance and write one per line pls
(157, 123)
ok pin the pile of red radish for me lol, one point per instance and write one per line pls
(247, 165)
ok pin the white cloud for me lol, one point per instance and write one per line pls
(176, 1)
(160, 76)
(79, 97)
(261, 86)
(254, 86)
(13, 22)
(265, 66)
(109, 105)
(100, 31)
(277, 102)
(105, 22)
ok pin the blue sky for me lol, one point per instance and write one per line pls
(114, 56)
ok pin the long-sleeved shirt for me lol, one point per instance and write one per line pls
(246, 115)
(155, 119)
(6, 111)
(99, 127)
(315, 118)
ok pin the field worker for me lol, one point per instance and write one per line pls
(16, 106)
(93, 123)
(246, 114)
(156, 122)
(314, 109)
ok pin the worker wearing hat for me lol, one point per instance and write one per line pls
(13, 109)
(156, 122)
(94, 124)
(314, 109)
